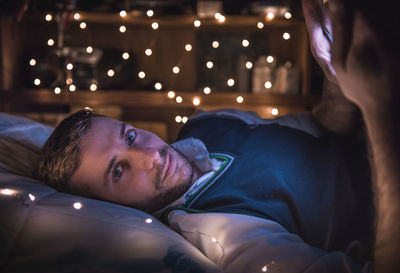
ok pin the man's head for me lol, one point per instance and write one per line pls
(104, 158)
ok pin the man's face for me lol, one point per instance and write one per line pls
(129, 166)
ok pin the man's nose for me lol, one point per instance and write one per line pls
(145, 158)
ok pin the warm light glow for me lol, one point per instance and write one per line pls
(149, 221)
(57, 90)
(196, 101)
(245, 43)
(197, 23)
(221, 19)
(230, 82)
(178, 119)
(184, 119)
(82, 25)
(122, 13)
(148, 52)
(268, 84)
(70, 66)
(7, 191)
(89, 49)
(32, 197)
(125, 56)
(270, 16)
(150, 13)
(68, 81)
(207, 90)
(264, 268)
(210, 64)
(215, 44)
(239, 99)
(50, 42)
(260, 25)
(274, 111)
(179, 99)
(72, 88)
(213, 240)
(48, 17)
(77, 16)
(110, 73)
(122, 29)
(286, 36)
(249, 65)
(154, 25)
(158, 86)
(93, 87)
(288, 15)
(77, 205)
(176, 69)
(171, 94)
(188, 47)
(37, 82)
(32, 62)
(270, 59)
(141, 75)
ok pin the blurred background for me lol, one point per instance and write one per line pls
(155, 63)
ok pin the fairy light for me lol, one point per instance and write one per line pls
(185, 119)
(155, 25)
(209, 64)
(220, 18)
(260, 25)
(249, 65)
(57, 90)
(178, 119)
(245, 43)
(77, 16)
(72, 88)
(141, 75)
(287, 15)
(239, 99)
(158, 86)
(70, 66)
(7, 191)
(264, 268)
(171, 94)
(122, 13)
(82, 25)
(32, 62)
(270, 59)
(286, 36)
(110, 73)
(268, 84)
(150, 13)
(68, 81)
(197, 23)
(148, 52)
(215, 44)
(93, 87)
(148, 221)
(122, 29)
(77, 205)
(48, 17)
(89, 49)
(188, 47)
(274, 111)
(175, 70)
(230, 82)
(270, 16)
(32, 197)
(207, 90)
(125, 55)
(179, 99)
(37, 82)
(196, 101)
(50, 42)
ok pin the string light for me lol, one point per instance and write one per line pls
(245, 43)
(286, 36)
(70, 66)
(210, 64)
(197, 23)
(50, 42)
(230, 82)
(188, 47)
(179, 99)
(274, 111)
(260, 25)
(82, 25)
(154, 25)
(220, 18)
(125, 56)
(175, 69)
(77, 16)
(215, 44)
(196, 101)
(57, 90)
(93, 87)
(77, 205)
(264, 268)
(178, 119)
(72, 88)
(122, 13)
(249, 65)
(110, 73)
(32, 62)
(184, 119)
(141, 75)
(68, 81)
(148, 52)
(288, 15)
(150, 13)
(32, 197)
(7, 191)
(207, 90)
(270, 59)
(158, 86)
(171, 94)
(268, 84)
(37, 82)
(149, 221)
(89, 49)
(270, 16)
(48, 17)
(239, 99)
(122, 29)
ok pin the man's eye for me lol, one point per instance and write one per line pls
(117, 173)
(130, 137)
